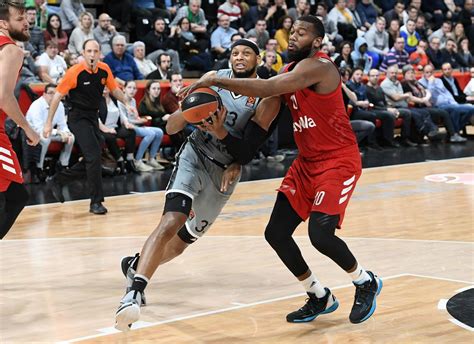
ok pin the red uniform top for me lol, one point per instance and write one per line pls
(320, 121)
(10, 169)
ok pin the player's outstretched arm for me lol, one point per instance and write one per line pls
(10, 62)
(175, 123)
(306, 73)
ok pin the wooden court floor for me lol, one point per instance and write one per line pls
(411, 224)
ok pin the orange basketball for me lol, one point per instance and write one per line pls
(198, 104)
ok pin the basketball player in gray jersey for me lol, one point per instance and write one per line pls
(206, 172)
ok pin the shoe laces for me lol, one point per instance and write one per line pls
(363, 292)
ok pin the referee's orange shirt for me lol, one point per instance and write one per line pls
(85, 88)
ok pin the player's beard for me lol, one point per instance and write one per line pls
(246, 74)
(298, 55)
(19, 35)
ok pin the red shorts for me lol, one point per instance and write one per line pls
(10, 170)
(324, 185)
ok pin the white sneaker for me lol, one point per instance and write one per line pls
(155, 165)
(275, 158)
(456, 138)
(141, 167)
(128, 311)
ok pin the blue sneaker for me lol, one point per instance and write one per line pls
(314, 307)
(364, 299)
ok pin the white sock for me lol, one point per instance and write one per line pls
(312, 285)
(129, 156)
(359, 275)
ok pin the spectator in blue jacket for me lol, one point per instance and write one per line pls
(367, 11)
(410, 36)
(121, 63)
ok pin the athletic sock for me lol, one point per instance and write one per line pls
(359, 275)
(139, 283)
(129, 156)
(312, 285)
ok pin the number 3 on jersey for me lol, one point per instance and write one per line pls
(231, 118)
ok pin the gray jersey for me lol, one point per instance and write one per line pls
(239, 110)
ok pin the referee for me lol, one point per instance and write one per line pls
(85, 83)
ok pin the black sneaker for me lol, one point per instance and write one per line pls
(314, 307)
(56, 188)
(97, 209)
(364, 299)
(129, 267)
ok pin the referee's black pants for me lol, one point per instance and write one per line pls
(89, 139)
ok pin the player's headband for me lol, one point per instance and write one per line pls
(248, 43)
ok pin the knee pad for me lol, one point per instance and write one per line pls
(178, 202)
(321, 229)
(184, 235)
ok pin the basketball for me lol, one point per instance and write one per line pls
(198, 104)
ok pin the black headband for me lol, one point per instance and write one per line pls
(248, 43)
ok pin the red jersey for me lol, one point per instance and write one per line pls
(10, 169)
(320, 121)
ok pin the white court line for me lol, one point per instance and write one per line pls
(440, 278)
(223, 310)
(460, 324)
(241, 237)
(135, 193)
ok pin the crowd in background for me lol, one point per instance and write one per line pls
(398, 40)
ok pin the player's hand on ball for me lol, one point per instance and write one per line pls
(215, 123)
(206, 80)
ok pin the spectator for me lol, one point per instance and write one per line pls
(36, 117)
(396, 13)
(412, 14)
(393, 32)
(469, 89)
(145, 66)
(450, 55)
(344, 20)
(260, 32)
(69, 13)
(452, 84)
(377, 38)
(81, 33)
(104, 33)
(443, 33)
(420, 27)
(36, 34)
(163, 69)
(458, 33)
(330, 27)
(376, 96)
(196, 17)
(344, 59)
(170, 100)
(434, 53)
(221, 37)
(438, 10)
(396, 56)
(300, 9)
(461, 114)
(360, 23)
(71, 59)
(28, 73)
(152, 136)
(282, 35)
(41, 7)
(112, 129)
(55, 33)
(255, 13)
(421, 98)
(157, 41)
(367, 11)
(364, 110)
(266, 71)
(419, 58)
(232, 10)
(275, 12)
(51, 66)
(465, 53)
(410, 36)
(191, 48)
(360, 57)
(120, 10)
(397, 98)
(385, 5)
(121, 63)
(466, 14)
(149, 9)
(271, 46)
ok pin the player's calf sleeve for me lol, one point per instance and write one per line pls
(278, 234)
(321, 231)
(12, 203)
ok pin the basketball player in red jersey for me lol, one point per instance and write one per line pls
(322, 178)
(13, 195)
